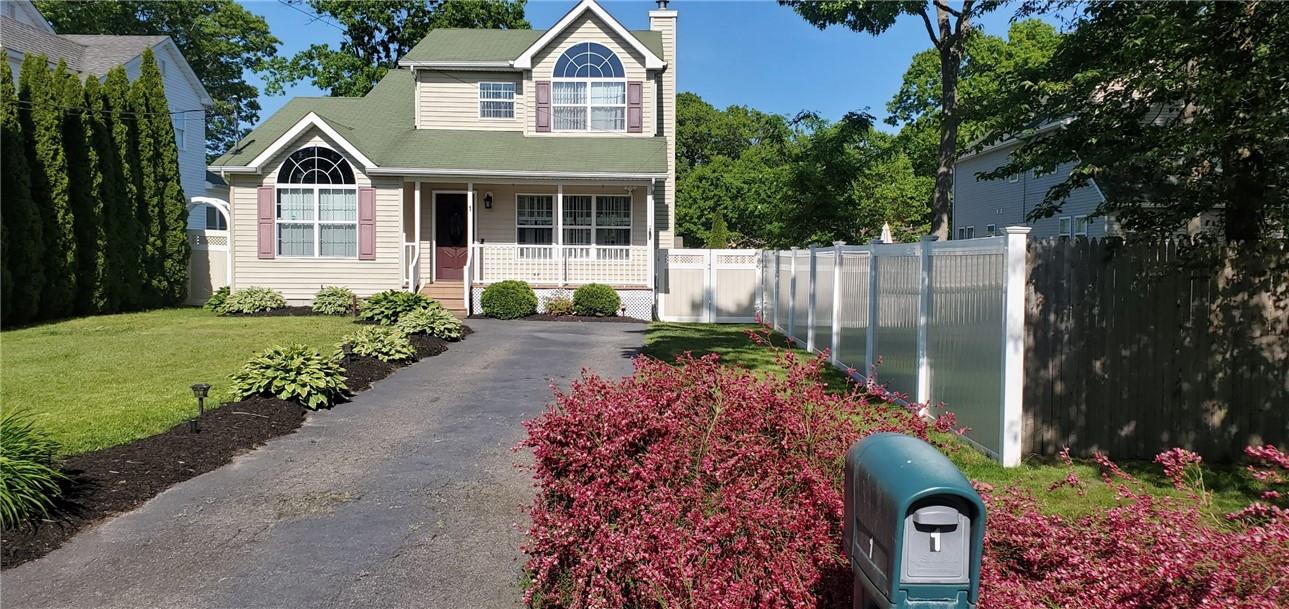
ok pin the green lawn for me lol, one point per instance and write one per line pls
(100, 381)
(1230, 487)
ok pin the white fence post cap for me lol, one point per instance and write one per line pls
(1017, 230)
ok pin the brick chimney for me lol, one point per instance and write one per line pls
(663, 20)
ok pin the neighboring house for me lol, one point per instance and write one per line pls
(981, 208)
(24, 31)
(545, 156)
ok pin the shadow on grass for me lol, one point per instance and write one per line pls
(667, 341)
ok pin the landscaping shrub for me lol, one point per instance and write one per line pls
(596, 299)
(29, 483)
(698, 485)
(431, 319)
(295, 372)
(216, 301)
(386, 307)
(381, 342)
(254, 300)
(334, 300)
(559, 306)
(510, 299)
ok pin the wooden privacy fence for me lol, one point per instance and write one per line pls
(1131, 349)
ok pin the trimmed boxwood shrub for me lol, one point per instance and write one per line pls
(597, 300)
(298, 373)
(216, 301)
(510, 299)
(334, 300)
(386, 307)
(559, 306)
(29, 483)
(431, 319)
(254, 300)
(381, 342)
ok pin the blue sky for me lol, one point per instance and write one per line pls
(754, 53)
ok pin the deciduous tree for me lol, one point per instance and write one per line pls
(377, 33)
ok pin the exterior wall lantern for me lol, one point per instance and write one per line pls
(487, 200)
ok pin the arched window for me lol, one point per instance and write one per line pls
(317, 205)
(589, 90)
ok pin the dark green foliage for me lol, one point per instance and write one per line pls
(559, 306)
(84, 181)
(381, 342)
(596, 299)
(386, 307)
(38, 88)
(217, 300)
(105, 192)
(125, 244)
(166, 250)
(378, 34)
(431, 319)
(220, 39)
(23, 248)
(29, 482)
(510, 299)
(297, 373)
(719, 236)
(334, 300)
(252, 300)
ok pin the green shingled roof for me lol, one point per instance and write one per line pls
(449, 44)
(381, 126)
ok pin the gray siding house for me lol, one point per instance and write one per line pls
(982, 207)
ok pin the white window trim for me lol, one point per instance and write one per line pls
(181, 131)
(520, 226)
(594, 226)
(1013, 178)
(588, 105)
(991, 229)
(1065, 226)
(317, 219)
(1086, 224)
(514, 92)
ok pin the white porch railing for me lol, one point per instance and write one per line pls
(562, 264)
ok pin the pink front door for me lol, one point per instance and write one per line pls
(450, 250)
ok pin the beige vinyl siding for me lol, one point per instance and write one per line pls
(300, 278)
(450, 100)
(589, 28)
(498, 225)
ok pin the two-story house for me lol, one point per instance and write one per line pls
(24, 31)
(539, 155)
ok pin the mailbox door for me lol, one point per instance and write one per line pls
(937, 546)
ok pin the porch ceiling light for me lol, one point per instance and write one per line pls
(487, 200)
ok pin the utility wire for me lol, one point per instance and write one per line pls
(28, 104)
(312, 15)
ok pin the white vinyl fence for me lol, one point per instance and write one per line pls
(931, 322)
(711, 286)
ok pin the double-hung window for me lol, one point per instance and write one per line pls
(317, 206)
(613, 220)
(1081, 225)
(586, 220)
(534, 219)
(496, 100)
(578, 221)
(1064, 229)
(589, 90)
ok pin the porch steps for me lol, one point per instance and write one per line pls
(449, 294)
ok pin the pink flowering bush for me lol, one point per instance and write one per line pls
(697, 485)
(1148, 552)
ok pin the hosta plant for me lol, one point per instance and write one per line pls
(254, 300)
(381, 342)
(297, 373)
(387, 307)
(216, 301)
(431, 319)
(334, 300)
(29, 482)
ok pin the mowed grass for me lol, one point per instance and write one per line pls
(1231, 489)
(100, 381)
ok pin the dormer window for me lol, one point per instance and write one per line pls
(589, 90)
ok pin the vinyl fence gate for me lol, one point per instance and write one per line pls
(710, 286)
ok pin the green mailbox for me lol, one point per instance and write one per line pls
(914, 526)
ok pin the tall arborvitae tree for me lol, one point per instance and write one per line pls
(81, 189)
(24, 249)
(105, 188)
(48, 161)
(166, 250)
(127, 208)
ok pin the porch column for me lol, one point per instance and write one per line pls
(649, 240)
(417, 255)
(558, 238)
(470, 248)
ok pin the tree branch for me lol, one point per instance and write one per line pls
(930, 29)
(964, 18)
(940, 4)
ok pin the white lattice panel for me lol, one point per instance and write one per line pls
(208, 239)
(638, 303)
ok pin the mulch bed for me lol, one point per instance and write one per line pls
(118, 479)
(544, 317)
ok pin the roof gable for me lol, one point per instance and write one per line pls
(525, 60)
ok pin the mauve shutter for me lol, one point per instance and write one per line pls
(265, 218)
(543, 105)
(366, 223)
(635, 107)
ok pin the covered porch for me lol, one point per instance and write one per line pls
(461, 235)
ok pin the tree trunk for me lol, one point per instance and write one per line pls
(950, 62)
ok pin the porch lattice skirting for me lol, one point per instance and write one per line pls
(639, 303)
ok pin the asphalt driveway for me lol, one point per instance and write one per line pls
(409, 496)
